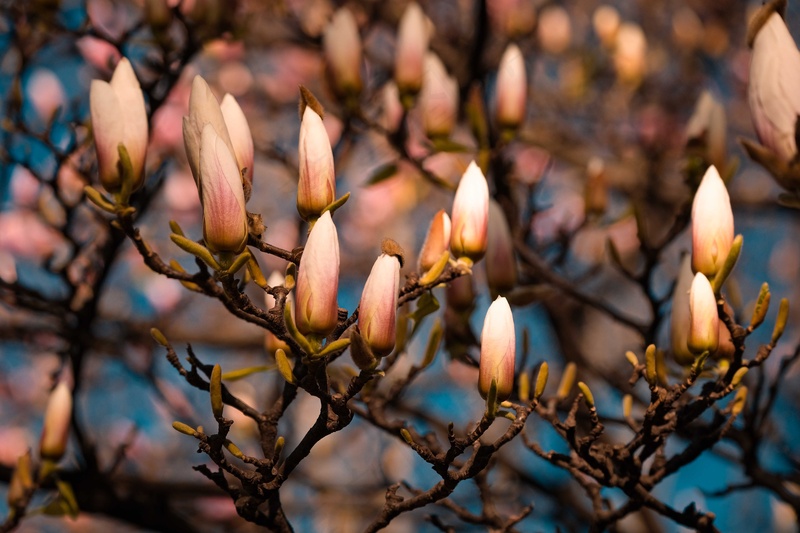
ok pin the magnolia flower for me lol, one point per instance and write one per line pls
(119, 118)
(500, 261)
(412, 45)
(316, 188)
(437, 241)
(774, 79)
(707, 129)
(498, 349)
(55, 431)
(470, 215)
(512, 88)
(224, 214)
(377, 312)
(203, 109)
(704, 320)
(241, 138)
(342, 46)
(712, 224)
(438, 98)
(318, 280)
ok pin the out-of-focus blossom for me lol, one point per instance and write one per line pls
(224, 213)
(470, 215)
(316, 188)
(500, 261)
(605, 22)
(438, 98)
(412, 45)
(512, 17)
(45, 92)
(241, 138)
(342, 46)
(512, 88)
(712, 224)
(318, 280)
(554, 30)
(460, 293)
(680, 319)
(119, 117)
(596, 190)
(377, 312)
(437, 241)
(498, 350)
(57, 415)
(392, 110)
(772, 89)
(99, 53)
(707, 130)
(703, 316)
(630, 53)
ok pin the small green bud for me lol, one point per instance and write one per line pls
(541, 381)
(651, 372)
(761, 308)
(215, 391)
(159, 337)
(567, 381)
(185, 429)
(780, 322)
(588, 397)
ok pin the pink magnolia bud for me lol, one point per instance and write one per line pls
(679, 315)
(377, 313)
(772, 87)
(704, 320)
(55, 431)
(222, 196)
(203, 109)
(318, 280)
(498, 350)
(342, 46)
(412, 45)
(512, 88)
(712, 224)
(500, 261)
(707, 129)
(241, 138)
(438, 98)
(119, 117)
(316, 188)
(470, 215)
(436, 242)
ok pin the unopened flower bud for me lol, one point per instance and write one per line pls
(512, 88)
(241, 138)
(377, 313)
(704, 319)
(707, 130)
(222, 196)
(318, 280)
(438, 98)
(679, 315)
(470, 215)
(498, 350)
(119, 117)
(412, 45)
(436, 242)
(500, 260)
(712, 224)
(55, 431)
(630, 53)
(774, 74)
(316, 188)
(342, 46)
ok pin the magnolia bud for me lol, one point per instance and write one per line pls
(630, 53)
(512, 88)
(774, 78)
(119, 117)
(498, 349)
(470, 215)
(500, 261)
(55, 431)
(707, 130)
(712, 224)
(241, 138)
(203, 109)
(316, 188)
(704, 320)
(679, 315)
(436, 242)
(342, 46)
(271, 342)
(377, 313)
(318, 280)
(412, 45)
(222, 196)
(438, 99)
